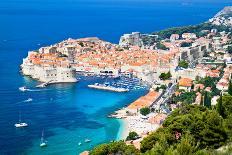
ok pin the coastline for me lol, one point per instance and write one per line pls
(123, 129)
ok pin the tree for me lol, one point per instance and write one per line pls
(165, 76)
(186, 146)
(114, 148)
(227, 105)
(186, 98)
(145, 111)
(204, 125)
(185, 44)
(207, 100)
(220, 106)
(81, 44)
(230, 88)
(183, 64)
(229, 49)
(202, 100)
(132, 136)
(161, 46)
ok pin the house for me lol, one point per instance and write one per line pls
(174, 37)
(189, 36)
(185, 84)
(198, 86)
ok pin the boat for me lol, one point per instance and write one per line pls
(43, 143)
(79, 143)
(42, 85)
(87, 140)
(23, 88)
(20, 124)
(108, 87)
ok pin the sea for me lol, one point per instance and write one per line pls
(71, 113)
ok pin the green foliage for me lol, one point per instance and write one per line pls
(190, 29)
(185, 44)
(219, 107)
(230, 88)
(165, 76)
(199, 127)
(186, 97)
(132, 136)
(183, 64)
(207, 100)
(119, 148)
(161, 46)
(145, 111)
(227, 105)
(210, 82)
(81, 44)
(229, 49)
(189, 130)
(186, 146)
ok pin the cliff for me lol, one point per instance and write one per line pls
(223, 17)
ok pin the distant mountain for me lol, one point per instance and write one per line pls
(224, 17)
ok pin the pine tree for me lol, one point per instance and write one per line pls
(230, 88)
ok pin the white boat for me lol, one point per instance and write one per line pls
(79, 143)
(20, 124)
(42, 85)
(23, 88)
(108, 88)
(43, 143)
(87, 140)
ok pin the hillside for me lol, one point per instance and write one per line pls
(224, 17)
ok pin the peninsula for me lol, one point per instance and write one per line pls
(188, 70)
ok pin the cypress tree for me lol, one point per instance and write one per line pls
(201, 103)
(207, 100)
(220, 106)
(230, 88)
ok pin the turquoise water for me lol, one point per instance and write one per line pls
(69, 113)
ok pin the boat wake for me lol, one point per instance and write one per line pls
(28, 100)
(24, 89)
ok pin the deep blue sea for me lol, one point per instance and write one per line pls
(70, 113)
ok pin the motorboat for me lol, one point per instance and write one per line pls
(43, 143)
(21, 125)
(23, 88)
(87, 140)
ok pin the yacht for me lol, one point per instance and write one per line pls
(43, 143)
(20, 124)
